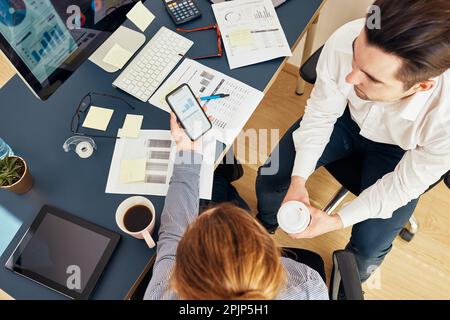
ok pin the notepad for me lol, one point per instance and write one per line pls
(117, 56)
(132, 171)
(140, 16)
(98, 118)
(131, 126)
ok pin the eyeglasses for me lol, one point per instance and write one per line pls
(83, 106)
(219, 40)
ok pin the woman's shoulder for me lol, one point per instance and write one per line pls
(303, 282)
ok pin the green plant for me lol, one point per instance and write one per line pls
(11, 170)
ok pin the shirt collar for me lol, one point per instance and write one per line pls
(416, 103)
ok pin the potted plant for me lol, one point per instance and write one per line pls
(15, 175)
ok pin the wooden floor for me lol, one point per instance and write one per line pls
(4, 295)
(6, 71)
(416, 270)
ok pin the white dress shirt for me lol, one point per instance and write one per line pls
(420, 125)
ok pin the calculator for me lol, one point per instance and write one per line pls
(182, 11)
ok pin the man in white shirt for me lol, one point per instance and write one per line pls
(383, 94)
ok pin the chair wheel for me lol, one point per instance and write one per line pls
(406, 235)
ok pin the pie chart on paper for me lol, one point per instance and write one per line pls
(12, 12)
(232, 17)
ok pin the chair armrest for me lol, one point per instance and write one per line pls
(137, 291)
(345, 273)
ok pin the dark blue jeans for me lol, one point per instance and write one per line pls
(370, 240)
(223, 191)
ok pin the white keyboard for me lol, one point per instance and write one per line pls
(153, 64)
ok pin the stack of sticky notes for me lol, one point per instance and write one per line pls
(117, 56)
(98, 118)
(140, 16)
(131, 126)
(132, 171)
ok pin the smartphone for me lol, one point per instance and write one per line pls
(190, 114)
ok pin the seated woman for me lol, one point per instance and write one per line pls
(222, 254)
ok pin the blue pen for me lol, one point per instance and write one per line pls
(216, 96)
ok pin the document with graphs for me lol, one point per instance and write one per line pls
(251, 32)
(156, 150)
(228, 115)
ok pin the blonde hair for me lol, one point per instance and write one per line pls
(227, 254)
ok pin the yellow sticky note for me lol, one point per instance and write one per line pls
(117, 56)
(98, 118)
(131, 126)
(140, 16)
(240, 38)
(132, 171)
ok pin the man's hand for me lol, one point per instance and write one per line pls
(297, 191)
(320, 223)
(184, 143)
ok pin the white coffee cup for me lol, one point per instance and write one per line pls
(146, 232)
(293, 217)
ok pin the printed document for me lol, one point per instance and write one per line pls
(158, 150)
(251, 32)
(228, 115)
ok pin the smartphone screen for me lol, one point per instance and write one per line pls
(188, 111)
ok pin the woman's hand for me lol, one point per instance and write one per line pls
(184, 143)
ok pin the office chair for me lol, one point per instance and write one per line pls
(344, 285)
(339, 169)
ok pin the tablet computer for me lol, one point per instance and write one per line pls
(63, 252)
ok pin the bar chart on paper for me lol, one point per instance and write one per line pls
(262, 13)
(228, 115)
(159, 151)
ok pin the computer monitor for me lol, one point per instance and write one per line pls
(47, 40)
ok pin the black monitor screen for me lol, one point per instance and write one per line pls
(47, 40)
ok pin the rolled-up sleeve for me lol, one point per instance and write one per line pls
(418, 169)
(326, 104)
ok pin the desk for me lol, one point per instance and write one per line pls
(36, 130)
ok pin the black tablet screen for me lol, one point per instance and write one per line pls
(63, 252)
